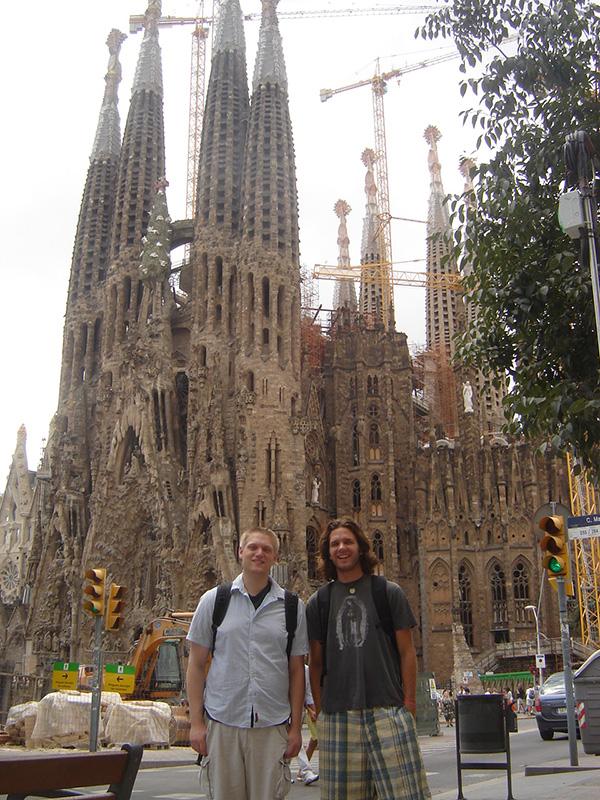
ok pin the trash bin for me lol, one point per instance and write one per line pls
(587, 697)
(481, 723)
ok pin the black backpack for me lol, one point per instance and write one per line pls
(382, 606)
(222, 604)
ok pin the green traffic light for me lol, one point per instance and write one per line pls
(555, 566)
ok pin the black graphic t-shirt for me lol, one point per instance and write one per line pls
(363, 668)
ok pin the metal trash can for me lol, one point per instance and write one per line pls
(587, 698)
(481, 723)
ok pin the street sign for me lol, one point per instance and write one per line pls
(64, 675)
(119, 678)
(585, 527)
(540, 660)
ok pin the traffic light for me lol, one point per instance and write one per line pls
(555, 547)
(115, 607)
(93, 601)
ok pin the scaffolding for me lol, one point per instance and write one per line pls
(584, 500)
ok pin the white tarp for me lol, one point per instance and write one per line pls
(138, 722)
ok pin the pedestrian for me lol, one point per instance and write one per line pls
(530, 700)
(246, 714)
(305, 774)
(520, 699)
(448, 707)
(363, 675)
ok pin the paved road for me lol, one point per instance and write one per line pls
(439, 753)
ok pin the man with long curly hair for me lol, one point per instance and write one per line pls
(363, 670)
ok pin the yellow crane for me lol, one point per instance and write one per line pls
(397, 277)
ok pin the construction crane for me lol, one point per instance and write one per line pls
(378, 83)
(398, 277)
(201, 25)
(584, 500)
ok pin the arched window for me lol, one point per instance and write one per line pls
(378, 551)
(355, 446)
(372, 385)
(356, 496)
(312, 541)
(202, 356)
(499, 605)
(266, 297)
(465, 603)
(374, 448)
(521, 590)
(376, 496)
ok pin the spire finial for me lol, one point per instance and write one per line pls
(148, 72)
(230, 28)
(270, 64)
(344, 293)
(107, 141)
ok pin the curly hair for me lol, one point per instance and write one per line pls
(367, 558)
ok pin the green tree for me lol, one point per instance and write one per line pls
(532, 70)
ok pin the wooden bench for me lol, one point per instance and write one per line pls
(56, 775)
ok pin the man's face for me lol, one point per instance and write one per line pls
(258, 555)
(343, 550)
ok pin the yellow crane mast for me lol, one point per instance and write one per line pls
(584, 500)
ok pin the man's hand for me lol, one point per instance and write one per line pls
(411, 705)
(294, 744)
(312, 713)
(198, 738)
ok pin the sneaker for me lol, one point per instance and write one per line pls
(310, 777)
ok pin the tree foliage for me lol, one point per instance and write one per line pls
(532, 70)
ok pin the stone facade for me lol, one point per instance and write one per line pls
(196, 400)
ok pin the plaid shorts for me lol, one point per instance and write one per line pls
(371, 752)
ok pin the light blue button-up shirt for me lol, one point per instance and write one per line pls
(248, 681)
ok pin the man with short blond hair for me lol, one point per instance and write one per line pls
(246, 715)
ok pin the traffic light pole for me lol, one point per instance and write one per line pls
(566, 653)
(97, 687)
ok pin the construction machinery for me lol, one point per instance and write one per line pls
(159, 656)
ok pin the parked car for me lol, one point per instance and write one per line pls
(551, 707)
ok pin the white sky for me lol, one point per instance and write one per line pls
(53, 61)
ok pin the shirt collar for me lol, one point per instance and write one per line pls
(275, 591)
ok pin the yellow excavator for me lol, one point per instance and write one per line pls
(159, 656)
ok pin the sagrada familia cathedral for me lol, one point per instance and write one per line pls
(200, 398)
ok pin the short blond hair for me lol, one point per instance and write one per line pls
(265, 532)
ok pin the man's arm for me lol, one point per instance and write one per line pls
(195, 679)
(315, 668)
(408, 668)
(296, 673)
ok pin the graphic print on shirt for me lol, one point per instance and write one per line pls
(351, 623)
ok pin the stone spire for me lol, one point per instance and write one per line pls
(441, 304)
(270, 199)
(344, 293)
(142, 159)
(225, 125)
(107, 143)
(371, 294)
(148, 73)
(230, 28)
(270, 64)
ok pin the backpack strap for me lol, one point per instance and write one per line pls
(291, 619)
(382, 606)
(222, 599)
(323, 603)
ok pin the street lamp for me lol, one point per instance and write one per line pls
(533, 610)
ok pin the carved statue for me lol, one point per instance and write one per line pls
(316, 485)
(467, 391)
